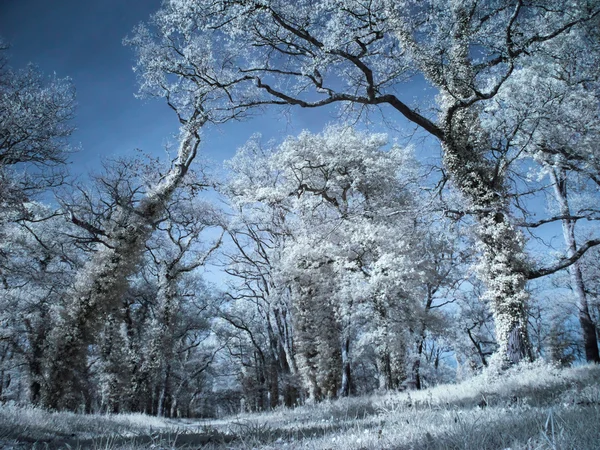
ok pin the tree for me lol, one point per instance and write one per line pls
(38, 262)
(259, 310)
(99, 286)
(441, 281)
(316, 53)
(175, 253)
(35, 124)
(330, 208)
(588, 328)
(554, 118)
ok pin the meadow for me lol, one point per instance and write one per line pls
(533, 406)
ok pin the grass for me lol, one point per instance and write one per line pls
(530, 407)
(33, 425)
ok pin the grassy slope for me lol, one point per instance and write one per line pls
(533, 407)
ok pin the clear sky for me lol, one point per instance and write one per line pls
(82, 40)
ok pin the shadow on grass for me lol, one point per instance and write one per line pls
(157, 440)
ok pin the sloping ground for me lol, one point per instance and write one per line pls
(531, 407)
(31, 427)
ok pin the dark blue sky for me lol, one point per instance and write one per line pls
(83, 40)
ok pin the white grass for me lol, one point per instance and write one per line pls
(530, 407)
(30, 425)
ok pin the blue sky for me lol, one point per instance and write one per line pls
(83, 40)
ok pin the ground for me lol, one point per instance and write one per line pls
(536, 406)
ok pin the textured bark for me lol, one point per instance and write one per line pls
(318, 336)
(98, 288)
(163, 346)
(502, 265)
(390, 350)
(346, 386)
(113, 367)
(465, 143)
(588, 328)
(36, 335)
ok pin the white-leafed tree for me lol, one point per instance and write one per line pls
(316, 53)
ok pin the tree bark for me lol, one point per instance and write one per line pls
(346, 386)
(588, 328)
(502, 265)
(100, 285)
(36, 335)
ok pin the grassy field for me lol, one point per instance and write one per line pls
(530, 407)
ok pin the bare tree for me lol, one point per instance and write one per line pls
(35, 124)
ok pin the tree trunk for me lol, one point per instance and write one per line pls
(162, 348)
(465, 144)
(502, 264)
(36, 335)
(588, 328)
(101, 283)
(163, 398)
(346, 387)
(416, 369)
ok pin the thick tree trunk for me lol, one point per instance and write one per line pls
(97, 288)
(588, 328)
(502, 264)
(312, 342)
(465, 144)
(137, 391)
(384, 369)
(164, 394)
(100, 285)
(274, 384)
(162, 347)
(35, 358)
(113, 366)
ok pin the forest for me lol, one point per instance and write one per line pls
(442, 224)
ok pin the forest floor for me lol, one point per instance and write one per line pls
(531, 407)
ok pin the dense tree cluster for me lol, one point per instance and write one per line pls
(351, 263)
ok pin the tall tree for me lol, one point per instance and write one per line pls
(339, 201)
(99, 286)
(588, 328)
(37, 264)
(550, 107)
(259, 231)
(316, 53)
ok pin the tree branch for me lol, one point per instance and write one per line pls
(564, 262)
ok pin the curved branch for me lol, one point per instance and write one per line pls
(564, 262)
